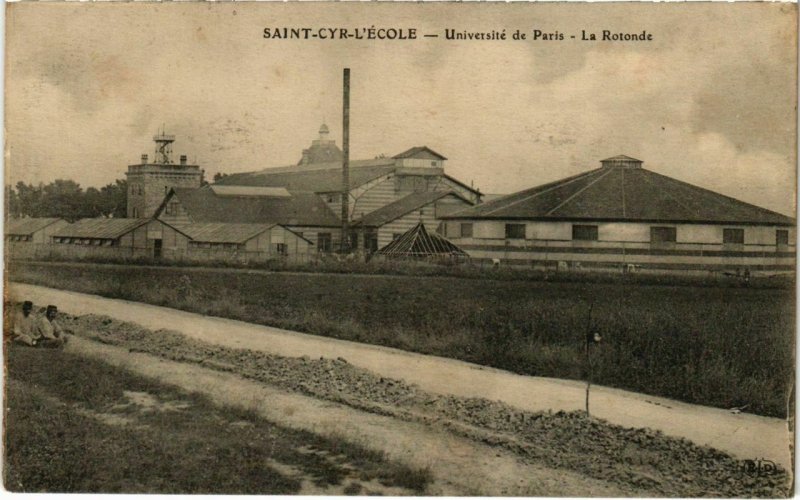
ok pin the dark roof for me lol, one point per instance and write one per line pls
(100, 228)
(401, 207)
(301, 209)
(318, 177)
(418, 242)
(319, 153)
(221, 232)
(423, 152)
(28, 225)
(623, 194)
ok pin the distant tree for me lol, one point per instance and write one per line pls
(114, 199)
(66, 199)
(219, 175)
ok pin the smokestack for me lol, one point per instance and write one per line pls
(346, 161)
(144, 159)
(183, 159)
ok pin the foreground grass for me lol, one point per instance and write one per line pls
(68, 429)
(721, 346)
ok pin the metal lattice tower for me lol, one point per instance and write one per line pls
(163, 147)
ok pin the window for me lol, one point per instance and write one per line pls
(281, 249)
(466, 230)
(782, 237)
(733, 236)
(584, 232)
(172, 208)
(135, 213)
(663, 234)
(515, 231)
(324, 242)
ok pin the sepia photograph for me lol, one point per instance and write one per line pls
(400, 249)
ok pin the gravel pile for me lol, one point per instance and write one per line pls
(640, 458)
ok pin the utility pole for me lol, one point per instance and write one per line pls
(346, 162)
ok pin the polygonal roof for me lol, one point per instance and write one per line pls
(616, 193)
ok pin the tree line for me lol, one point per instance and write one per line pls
(67, 199)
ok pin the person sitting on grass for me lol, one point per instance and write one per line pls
(49, 332)
(24, 326)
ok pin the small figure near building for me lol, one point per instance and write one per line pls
(23, 330)
(49, 332)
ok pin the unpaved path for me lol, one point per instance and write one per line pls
(743, 435)
(459, 466)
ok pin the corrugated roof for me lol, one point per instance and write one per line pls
(420, 152)
(249, 191)
(28, 225)
(221, 232)
(418, 242)
(623, 194)
(401, 207)
(316, 177)
(100, 228)
(300, 209)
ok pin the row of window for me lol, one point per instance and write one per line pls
(280, 248)
(18, 237)
(658, 234)
(84, 241)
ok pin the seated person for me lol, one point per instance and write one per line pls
(23, 330)
(48, 332)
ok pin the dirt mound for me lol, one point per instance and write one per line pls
(638, 457)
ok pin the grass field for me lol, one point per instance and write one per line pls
(716, 345)
(77, 425)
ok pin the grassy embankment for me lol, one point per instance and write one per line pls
(722, 346)
(77, 425)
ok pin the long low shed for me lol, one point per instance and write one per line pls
(221, 241)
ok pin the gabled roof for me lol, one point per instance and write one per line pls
(221, 232)
(418, 242)
(300, 209)
(29, 225)
(100, 228)
(317, 177)
(422, 152)
(403, 206)
(623, 194)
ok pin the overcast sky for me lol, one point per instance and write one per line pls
(711, 100)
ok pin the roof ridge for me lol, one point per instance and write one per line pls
(576, 193)
(548, 187)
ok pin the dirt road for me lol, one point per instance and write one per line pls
(459, 466)
(742, 435)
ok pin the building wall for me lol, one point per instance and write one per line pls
(148, 184)
(390, 188)
(426, 215)
(697, 245)
(313, 233)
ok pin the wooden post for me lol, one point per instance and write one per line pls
(587, 341)
(346, 162)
